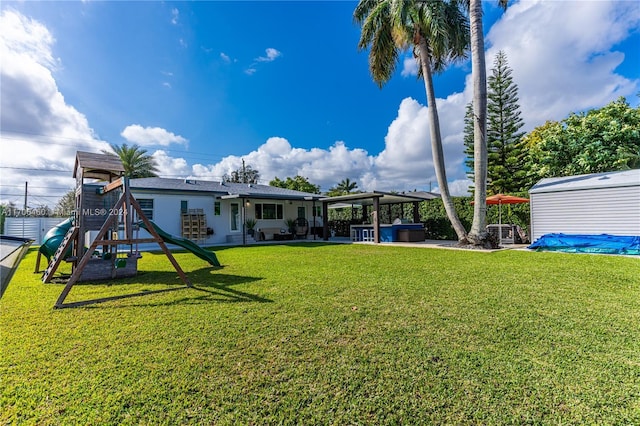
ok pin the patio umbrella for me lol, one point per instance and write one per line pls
(501, 199)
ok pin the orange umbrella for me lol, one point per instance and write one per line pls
(506, 199)
(501, 199)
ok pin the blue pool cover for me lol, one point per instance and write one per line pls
(577, 243)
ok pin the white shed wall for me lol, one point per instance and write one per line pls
(590, 211)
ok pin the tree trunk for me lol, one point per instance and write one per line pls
(436, 141)
(478, 234)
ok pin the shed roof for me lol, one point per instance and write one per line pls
(226, 189)
(99, 166)
(366, 198)
(590, 181)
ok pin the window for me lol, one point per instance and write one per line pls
(146, 205)
(269, 211)
(184, 206)
(216, 208)
(317, 211)
(302, 212)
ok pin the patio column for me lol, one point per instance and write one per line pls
(325, 220)
(244, 218)
(416, 212)
(376, 222)
(313, 211)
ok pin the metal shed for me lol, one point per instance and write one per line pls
(593, 204)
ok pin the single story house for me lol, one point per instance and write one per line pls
(212, 213)
(593, 204)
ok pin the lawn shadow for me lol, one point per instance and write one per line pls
(216, 286)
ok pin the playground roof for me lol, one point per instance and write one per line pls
(98, 166)
(223, 189)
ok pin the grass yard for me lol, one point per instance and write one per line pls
(331, 334)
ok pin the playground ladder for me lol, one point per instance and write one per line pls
(59, 254)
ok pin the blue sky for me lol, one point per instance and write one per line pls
(203, 85)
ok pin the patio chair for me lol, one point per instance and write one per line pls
(301, 227)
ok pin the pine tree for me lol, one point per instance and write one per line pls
(468, 142)
(505, 172)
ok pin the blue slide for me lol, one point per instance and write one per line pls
(184, 243)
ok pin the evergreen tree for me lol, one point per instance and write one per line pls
(298, 183)
(505, 172)
(468, 142)
(245, 174)
(66, 205)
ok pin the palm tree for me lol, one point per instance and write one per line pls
(478, 234)
(137, 163)
(346, 186)
(438, 32)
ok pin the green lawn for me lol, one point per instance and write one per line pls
(331, 334)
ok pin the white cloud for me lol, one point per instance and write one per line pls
(148, 136)
(169, 166)
(409, 67)
(272, 55)
(276, 157)
(225, 58)
(563, 57)
(558, 65)
(39, 129)
(175, 14)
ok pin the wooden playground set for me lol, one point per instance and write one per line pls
(107, 218)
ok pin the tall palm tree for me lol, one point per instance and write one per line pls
(477, 234)
(346, 186)
(137, 163)
(438, 32)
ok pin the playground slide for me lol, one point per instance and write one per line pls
(184, 243)
(53, 238)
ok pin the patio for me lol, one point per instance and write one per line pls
(372, 230)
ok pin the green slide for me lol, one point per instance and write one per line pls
(184, 243)
(53, 238)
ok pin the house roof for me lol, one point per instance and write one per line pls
(223, 189)
(366, 198)
(590, 181)
(98, 166)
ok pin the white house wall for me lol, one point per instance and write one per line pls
(290, 211)
(613, 211)
(167, 214)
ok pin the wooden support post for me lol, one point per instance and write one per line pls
(111, 186)
(77, 272)
(38, 262)
(151, 229)
(127, 211)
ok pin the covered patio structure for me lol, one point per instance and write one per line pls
(372, 204)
